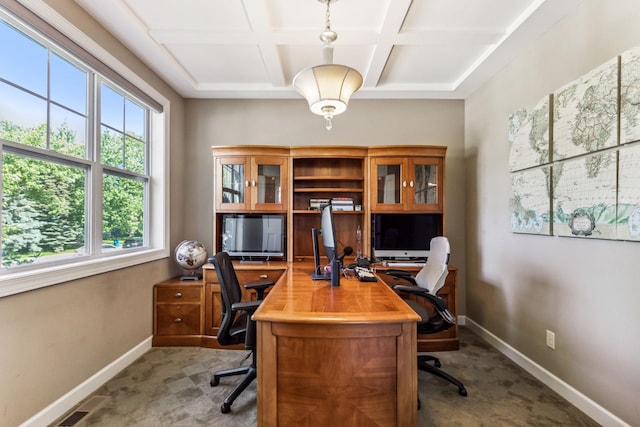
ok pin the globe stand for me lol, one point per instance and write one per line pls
(191, 275)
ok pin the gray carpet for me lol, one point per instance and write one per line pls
(169, 386)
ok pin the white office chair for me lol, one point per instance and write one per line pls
(426, 284)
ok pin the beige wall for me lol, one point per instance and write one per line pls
(516, 286)
(519, 285)
(290, 123)
(53, 339)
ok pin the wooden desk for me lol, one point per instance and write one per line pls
(335, 356)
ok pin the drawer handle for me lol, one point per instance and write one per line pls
(263, 276)
(178, 320)
(178, 295)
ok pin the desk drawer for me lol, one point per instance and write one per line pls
(258, 276)
(178, 319)
(178, 294)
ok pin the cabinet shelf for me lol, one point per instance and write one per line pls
(317, 212)
(328, 178)
(327, 190)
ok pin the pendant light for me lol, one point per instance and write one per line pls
(327, 87)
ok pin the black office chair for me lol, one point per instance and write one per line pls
(236, 326)
(425, 285)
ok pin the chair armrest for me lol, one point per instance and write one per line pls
(249, 306)
(402, 274)
(415, 290)
(259, 287)
(435, 300)
(438, 303)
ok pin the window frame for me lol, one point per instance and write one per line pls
(35, 276)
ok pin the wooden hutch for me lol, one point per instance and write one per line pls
(283, 180)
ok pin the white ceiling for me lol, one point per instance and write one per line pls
(253, 48)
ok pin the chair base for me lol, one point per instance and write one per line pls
(424, 365)
(249, 373)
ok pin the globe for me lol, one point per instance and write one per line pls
(190, 255)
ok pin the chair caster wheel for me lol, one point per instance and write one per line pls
(462, 391)
(225, 408)
(214, 381)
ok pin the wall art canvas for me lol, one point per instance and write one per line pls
(530, 201)
(630, 96)
(584, 196)
(628, 218)
(529, 136)
(585, 113)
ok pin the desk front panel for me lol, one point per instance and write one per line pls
(341, 356)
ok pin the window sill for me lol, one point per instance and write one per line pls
(13, 283)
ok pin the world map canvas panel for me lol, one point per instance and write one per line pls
(630, 96)
(584, 196)
(585, 113)
(530, 201)
(628, 218)
(529, 136)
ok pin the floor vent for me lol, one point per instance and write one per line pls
(73, 419)
(93, 403)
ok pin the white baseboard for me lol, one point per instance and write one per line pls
(579, 400)
(61, 406)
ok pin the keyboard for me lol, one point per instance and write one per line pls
(404, 264)
(365, 275)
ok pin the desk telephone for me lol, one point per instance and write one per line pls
(365, 274)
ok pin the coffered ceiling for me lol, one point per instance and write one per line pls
(404, 49)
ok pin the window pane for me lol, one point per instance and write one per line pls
(112, 108)
(134, 155)
(23, 117)
(68, 132)
(68, 85)
(112, 148)
(123, 210)
(135, 120)
(43, 210)
(22, 60)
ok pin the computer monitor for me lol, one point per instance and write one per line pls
(329, 233)
(404, 236)
(329, 241)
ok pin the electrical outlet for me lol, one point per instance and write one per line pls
(551, 339)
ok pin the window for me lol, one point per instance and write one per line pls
(76, 155)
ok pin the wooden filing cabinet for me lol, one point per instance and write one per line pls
(177, 312)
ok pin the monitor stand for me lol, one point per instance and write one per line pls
(320, 276)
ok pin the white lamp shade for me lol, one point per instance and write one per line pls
(327, 85)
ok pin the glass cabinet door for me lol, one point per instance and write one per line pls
(231, 184)
(425, 184)
(268, 183)
(407, 184)
(251, 183)
(387, 186)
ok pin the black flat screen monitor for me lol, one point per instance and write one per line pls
(404, 236)
(253, 235)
